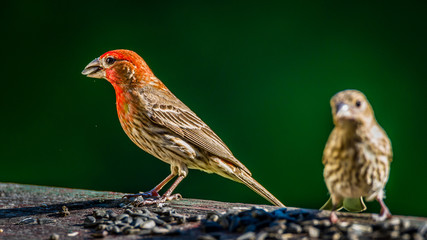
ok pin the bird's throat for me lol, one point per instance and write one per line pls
(121, 101)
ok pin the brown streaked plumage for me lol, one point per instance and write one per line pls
(357, 155)
(160, 124)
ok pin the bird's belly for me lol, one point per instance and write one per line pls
(347, 190)
(165, 145)
(364, 176)
(344, 179)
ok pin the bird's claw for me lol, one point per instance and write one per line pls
(174, 197)
(149, 194)
(138, 201)
(160, 200)
(382, 217)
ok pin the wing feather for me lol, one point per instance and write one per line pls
(177, 117)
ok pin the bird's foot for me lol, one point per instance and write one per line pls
(151, 201)
(142, 199)
(149, 194)
(334, 218)
(385, 214)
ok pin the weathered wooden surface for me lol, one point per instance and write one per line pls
(34, 212)
(21, 202)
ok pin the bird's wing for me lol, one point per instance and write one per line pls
(381, 142)
(330, 148)
(171, 113)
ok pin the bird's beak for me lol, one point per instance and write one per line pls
(94, 69)
(343, 110)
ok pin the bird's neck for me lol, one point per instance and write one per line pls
(154, 82)
(123, 96)
(126, 98)
(347, 134)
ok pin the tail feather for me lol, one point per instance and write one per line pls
(354, 204)
(349, 204)
(329, 206)
(242, 175)
(258, 188)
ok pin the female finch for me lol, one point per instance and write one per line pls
(160, 124)
(357, 156)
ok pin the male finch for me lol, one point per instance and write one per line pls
(357, 156)
(160, 124)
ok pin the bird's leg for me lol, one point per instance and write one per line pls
(385, 213)
(167, 196)
(168, 193)
(153, 193)
(334, 218)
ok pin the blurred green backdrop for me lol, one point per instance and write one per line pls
(261, 75)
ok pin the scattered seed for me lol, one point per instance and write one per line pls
(116, 230)
(90, 221)
(111, 214)
(262, 235)
(27, 221)
(294, 228)
(336, 236)
(54, 236)
(160, 230)
(406, 224)
(253, 223)
(395, 234)
(325, 223)
(45, 220)
(247, 236)
(64, 212)
(210, 226)
(148, 224)
(423, 229)
(359, 229)
(417, 236)
(101, 234)
(195, 219)
(101, 227)
(406, 236)
(73, 234)
(159, 221)
(137, 222)
(128, 220)
(122, 216)
(206, 237)
(313, 232)
(99, 213)
(131, 231)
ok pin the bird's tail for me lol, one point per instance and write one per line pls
(241, 174)
(349, 204)
(258, 188)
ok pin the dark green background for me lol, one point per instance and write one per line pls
(261, 75)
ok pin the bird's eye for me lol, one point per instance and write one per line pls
(358, 103)
(110, 60)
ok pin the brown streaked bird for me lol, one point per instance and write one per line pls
(160, 124)
(357, 156)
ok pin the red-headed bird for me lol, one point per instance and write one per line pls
(160, 124)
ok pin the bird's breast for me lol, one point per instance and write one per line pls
(355, 170)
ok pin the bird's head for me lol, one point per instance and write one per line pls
(350, 108)
(120, 67)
